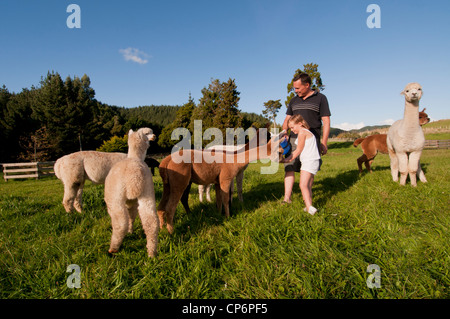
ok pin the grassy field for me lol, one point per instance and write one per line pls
(265, 250)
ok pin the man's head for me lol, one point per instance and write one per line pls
(302, 84)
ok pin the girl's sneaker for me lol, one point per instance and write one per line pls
(312, 210)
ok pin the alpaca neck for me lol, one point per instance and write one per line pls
(260, 152)
(136, 153)
(411, 115)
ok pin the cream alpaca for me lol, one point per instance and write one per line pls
(405, 139)
(177, 176)
(374, 144)
(75, 168)
(129, 190)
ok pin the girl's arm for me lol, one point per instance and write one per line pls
(298, 150)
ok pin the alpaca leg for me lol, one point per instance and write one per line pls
(231, 190)
(362, 159)
(132, 207)
(170, 211)
(78, 203)
(239, 181)
(413, 166)
(218, 198)
(421, 174)
(163, 204)
(208, 193)
(70, 193)
(185, 198)
(201, 190)
(149, 219)
(119, 222)
(394, 165)
(403, 167)
(225, 196)
(369, 165)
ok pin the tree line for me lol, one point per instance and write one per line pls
(59, 117)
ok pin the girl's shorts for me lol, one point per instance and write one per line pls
(311, 166)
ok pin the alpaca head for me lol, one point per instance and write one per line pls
(138, 142)
(412, 92)
(275, 146)
(423, 117)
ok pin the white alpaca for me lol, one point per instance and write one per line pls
(239, 176)
(405, 139)
(75, 168)
(129, 190)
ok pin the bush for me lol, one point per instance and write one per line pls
(115, 144)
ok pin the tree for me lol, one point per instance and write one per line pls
(271, 109)
(67, 109)
(36, 147)
(15, 122)
(218, 107)
(312, 70)
(182, 120)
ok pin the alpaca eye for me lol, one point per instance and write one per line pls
(407, 91)
(419, 89)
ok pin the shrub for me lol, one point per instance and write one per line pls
(115, 144)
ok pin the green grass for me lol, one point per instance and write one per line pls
(265, 250)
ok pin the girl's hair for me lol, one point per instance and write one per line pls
(298, 119)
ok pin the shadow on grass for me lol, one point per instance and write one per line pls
(204, 215)
(337, 145)
(327, 187)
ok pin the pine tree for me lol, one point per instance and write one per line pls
(182, 120)
(218, 107)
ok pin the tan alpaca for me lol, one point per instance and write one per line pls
(74, 169)
(239, 176)
(177, 176)
(129, 190)
(405, 139)
(373, 144)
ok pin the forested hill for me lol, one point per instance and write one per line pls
(161, 115)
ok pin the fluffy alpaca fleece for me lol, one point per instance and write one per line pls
(405, 139)
(239, 176)
(178, 176)
(129, 190)
(75, 168)
(373, 144)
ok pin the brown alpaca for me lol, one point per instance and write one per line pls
(177, 176)
(370, 145)
(373, 144)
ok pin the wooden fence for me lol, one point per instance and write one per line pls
(27, 170)
(437, 144)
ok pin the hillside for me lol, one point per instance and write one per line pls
(434, 130)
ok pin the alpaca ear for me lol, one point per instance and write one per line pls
(130, 132)
(402, 92)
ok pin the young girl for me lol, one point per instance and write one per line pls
(309, 157)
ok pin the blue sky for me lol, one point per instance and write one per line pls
(157, 52)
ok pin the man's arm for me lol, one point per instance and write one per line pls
(285, 123)
(325, 134)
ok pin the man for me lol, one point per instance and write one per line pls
(313, 106)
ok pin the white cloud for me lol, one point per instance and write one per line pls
(135, 55)
(349, 126)
(388, 122)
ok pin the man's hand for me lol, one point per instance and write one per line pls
(323, 149)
